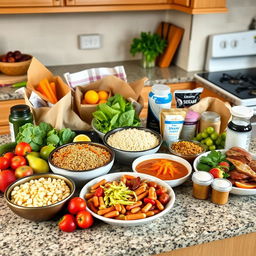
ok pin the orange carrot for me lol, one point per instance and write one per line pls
(45, 88)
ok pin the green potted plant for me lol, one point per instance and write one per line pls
(150, 45)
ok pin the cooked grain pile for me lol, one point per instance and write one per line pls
(80, 157)
(133, 140)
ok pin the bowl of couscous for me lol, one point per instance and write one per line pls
(81, 161)
(39, 197)
(129, 143)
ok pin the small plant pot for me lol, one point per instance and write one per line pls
(147, 63)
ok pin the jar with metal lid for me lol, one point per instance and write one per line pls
(20, 115)
(239, 128)
(210, 118)
(201, 184)
(220, 190)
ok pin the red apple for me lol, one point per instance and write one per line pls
(23, 171)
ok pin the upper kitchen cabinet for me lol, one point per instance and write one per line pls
(199, 6)
(62, 6)
(30, 3)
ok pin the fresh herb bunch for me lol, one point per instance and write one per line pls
(150, 45)
(43, 134)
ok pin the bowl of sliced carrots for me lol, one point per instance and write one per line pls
(172, 169)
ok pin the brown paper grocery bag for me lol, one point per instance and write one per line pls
(60, 115)
(114, 86)
(215, 105)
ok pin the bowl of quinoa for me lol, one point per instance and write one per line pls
(81, 161)
(129, 143)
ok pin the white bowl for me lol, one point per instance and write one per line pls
(235, 190)
(101, 134)
(128, 223)
(124, 156)
(172, 183)
(81, 177)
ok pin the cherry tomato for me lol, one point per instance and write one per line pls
(4, 163)
(7, 177)
(84, 219)
(23, 171)
(9, 155)
(67, 223)
(76, 205)
(164, 198)
(18, 161)
(22, 149)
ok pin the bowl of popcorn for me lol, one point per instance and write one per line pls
(39, 197)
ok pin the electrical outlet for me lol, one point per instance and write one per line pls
(89, 41)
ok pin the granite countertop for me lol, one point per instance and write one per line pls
(133, 69)
(190, 222)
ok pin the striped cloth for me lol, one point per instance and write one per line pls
(91, 75)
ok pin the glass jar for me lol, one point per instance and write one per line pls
(201, 184)
(190, 125)
(239, 128)
(209, 118)
(220, 190)
(20, 115)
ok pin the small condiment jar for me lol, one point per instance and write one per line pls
(189, 128)
(201, 184)
(209, 118)
(220, 190)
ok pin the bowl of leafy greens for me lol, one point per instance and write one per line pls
(116, 112)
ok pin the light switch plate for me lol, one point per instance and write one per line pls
(89, 41)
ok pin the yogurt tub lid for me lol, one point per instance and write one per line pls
(202, 178)
(242, 111)
(161, 89)
(222, 185)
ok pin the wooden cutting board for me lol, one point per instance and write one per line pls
(4, 79)
(173, 35)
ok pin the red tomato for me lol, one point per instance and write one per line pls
(67, 223)
(23, 171)
(4, 163)
(18, 161)
(76, 205)
(84, 219)
(9, 155)
(7, 177)
(22, 149)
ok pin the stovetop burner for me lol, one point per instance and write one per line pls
(241, 83)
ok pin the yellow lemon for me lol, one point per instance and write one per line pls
(81, 137)
(91, 97)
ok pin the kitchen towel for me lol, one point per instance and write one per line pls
(92, 75)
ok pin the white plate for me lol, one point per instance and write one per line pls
(235, 190)
(127, 223)
(172, 183)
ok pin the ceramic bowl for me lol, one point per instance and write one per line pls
(175, 182)
(101, 134)
(15, 68)
(189, 158)
(81, 177)
(38, 213)
(128, 223)
(124, 156)
(235, 190)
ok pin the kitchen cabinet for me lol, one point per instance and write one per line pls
(69, 6)
(5, 106)
(30, 3)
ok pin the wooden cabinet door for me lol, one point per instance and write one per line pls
(30, 3)
(182, 2)
(115, 2)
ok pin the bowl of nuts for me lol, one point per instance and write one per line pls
(15, 63)
(39, 197)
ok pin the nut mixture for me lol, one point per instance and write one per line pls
(40, 192)
(80, 157)
(186, 148)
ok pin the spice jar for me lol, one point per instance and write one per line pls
(209, 118)
(20, 115)
(220, 190)
(201, 184)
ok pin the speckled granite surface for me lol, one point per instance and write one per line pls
(133, 70)
(189, 222)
